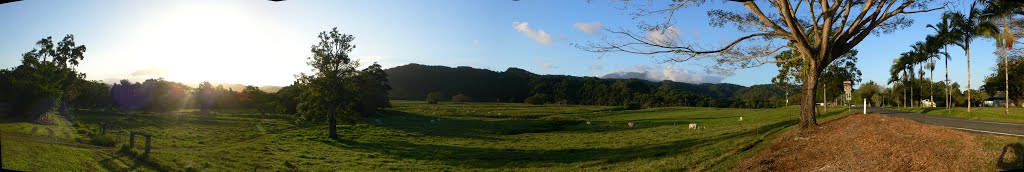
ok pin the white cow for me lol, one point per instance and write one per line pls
(693, 125)
(631, 125)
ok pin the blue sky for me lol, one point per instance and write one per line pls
(266, 43)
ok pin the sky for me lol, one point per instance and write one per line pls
(267, 43)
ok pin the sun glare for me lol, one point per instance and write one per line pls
(211, 41)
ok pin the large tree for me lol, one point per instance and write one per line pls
(328, 90)
(820, 31)
(46, 80)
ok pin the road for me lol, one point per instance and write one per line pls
(955, 123)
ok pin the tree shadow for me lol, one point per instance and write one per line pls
(486, 158)
(464, 128)
(1012, 157)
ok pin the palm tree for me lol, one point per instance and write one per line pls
(945, 35)
(969, 27)
(899, 72)
(931, 87)
(1002, 10)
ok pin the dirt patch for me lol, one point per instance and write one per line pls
(873, 143)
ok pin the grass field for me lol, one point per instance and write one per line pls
(982, 113)
(412, 136)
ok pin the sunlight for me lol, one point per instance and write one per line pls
(224, 43)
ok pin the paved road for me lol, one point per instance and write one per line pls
(956, 123)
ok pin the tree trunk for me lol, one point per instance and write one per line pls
(947, 80)
(968, 80)
(332, 130)
(824, 100)
(1006, 67)
(808, 110)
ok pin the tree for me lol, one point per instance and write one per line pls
(842, 69)
(870, 90)
(254, 98)
(93, 94)
(434, 97)
(373, 89)
(1003, 10)
(969, 27)
(944, 36)
(820, 36)
(205, 96)
(328, 91)
(996, 81)
(47, 78)
(461, 98)
(286, 100)
(537, 99)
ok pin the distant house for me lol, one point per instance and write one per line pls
(994, 101)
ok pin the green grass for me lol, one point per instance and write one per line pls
(981, 113)
(462, 136)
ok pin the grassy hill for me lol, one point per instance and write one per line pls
(412, 136)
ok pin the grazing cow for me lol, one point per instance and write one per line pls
(631, 125)
(693, 125)
(588, 122)
(741, 118)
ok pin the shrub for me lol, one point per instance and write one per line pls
(630, 105)
(536, 99)
(461, 98)
(434, 97)
(103, 140)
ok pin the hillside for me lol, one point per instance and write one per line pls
(415, 81)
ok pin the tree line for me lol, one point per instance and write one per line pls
(463, 83)
(47, 82)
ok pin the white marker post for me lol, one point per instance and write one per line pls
(865, 106)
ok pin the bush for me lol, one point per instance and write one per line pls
(630, 105)
(536, 99)
(434, 97)
(103, 140)
(461, 98)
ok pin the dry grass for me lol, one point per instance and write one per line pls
(878, 143)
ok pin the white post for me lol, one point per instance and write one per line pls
(865, 106)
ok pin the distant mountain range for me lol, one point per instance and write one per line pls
(414, 81)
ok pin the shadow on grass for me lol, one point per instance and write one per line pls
(110, 164)
(926, 110)
(477, 157)
(1012, 157)
(442, 126)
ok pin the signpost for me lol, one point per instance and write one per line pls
(848, 88)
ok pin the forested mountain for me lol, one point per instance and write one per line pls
(415, 81)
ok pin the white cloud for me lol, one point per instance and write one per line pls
(539, 35)
(589, 28)
(664, 37)
(547, 66)
(659, 73)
